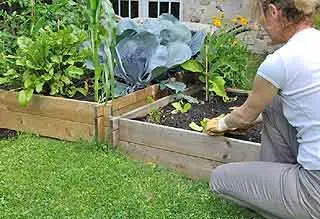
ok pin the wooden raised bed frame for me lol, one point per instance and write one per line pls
(68, 119)
(192, 153)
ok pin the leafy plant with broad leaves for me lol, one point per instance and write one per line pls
(51, 63)
(27, 17)
(145, 52)
(223, 61)
(8, 75)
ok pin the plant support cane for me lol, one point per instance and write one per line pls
(207, 68)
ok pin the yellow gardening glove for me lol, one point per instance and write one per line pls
(217, 126)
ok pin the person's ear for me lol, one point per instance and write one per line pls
(273, 11)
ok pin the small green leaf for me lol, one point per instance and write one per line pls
(25, 96)
(204, 123)
(47, 77)
(20, 62)
(66, 80)
(10, 72)
(24, 42)
(195, 127)
(39, 85)
(71, 91)
(4, 80)
(186, 108)
(176, 86)
(193, 66)
(217, 86)
(56, 59)
(177, 106)
(74, 72)
(28, 83)
(83, 91)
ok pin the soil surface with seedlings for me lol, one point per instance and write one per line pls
(6, 133)
(215, 107)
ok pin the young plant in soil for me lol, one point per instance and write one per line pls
(196, 117)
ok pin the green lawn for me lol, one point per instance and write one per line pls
(45, 178)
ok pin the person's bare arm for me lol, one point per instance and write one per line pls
(261, 95)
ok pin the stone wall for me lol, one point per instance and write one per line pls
(201, 11)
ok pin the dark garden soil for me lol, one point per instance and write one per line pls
(6, 133)
(213, 108)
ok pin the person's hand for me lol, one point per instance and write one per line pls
(217, 126)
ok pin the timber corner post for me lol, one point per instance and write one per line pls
(100, 114)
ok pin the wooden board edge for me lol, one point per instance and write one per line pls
(192, 167)
(47, 127)
(53, 107)
(144, 110)
(192, 143)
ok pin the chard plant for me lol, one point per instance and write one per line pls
(50, 63)
(102, 28)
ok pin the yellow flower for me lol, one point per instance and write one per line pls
(217, 22)
(244, 21)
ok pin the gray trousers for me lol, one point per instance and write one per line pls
(276, 186)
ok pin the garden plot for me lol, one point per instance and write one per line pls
(188, 151)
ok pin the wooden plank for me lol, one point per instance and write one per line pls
(187, 142)
(53, 107)
(144, 110)
(194, 167)
(129, 108)
(45, 126)
(115, 138)
(239, 91)
(99, 125)
(137, 96)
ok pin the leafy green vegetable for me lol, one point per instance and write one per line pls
(223, 61)
(146, 52)
(51, 63)
(217, 86)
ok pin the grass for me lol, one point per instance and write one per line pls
(46, 178)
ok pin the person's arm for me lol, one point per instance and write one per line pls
(246, 115)
(271, 76)
(262, 94)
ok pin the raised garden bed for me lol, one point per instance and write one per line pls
(68, 119)
(193, 153)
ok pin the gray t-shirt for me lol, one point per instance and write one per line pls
(295, 70)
